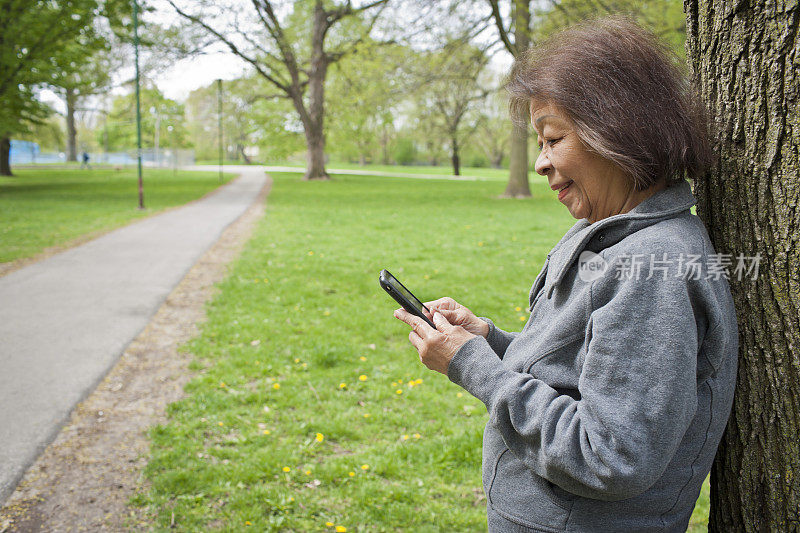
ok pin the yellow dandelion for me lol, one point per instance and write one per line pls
(310, 252)
(276, 386)
(341, 529)
(305, 365)
(326, 313)
(266, 432)
(480, 243)
(342, 385)
(222, 384)
(518, 309)
(320, 437)
(411, 384)
(296, 360)
(426, 276)
(221, 423)
(417, 436)
(247, 523)
(256, 280)
(362, 377)
(418, 381)
(308, 472)
(291, 499)
(366, 415)
(286, 469)
(329, 524)
(364, 467)
(394, 384)
(459, 394)
(399, 391)
(405, 437)
(363, 358)
(522, 319)
(351, 474)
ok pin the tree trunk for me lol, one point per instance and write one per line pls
(240, 148)
(518, 186)
(315, 135)
(743, 57)
(72, 145)
(5, 160)
(455, 159)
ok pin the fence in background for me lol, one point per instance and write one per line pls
(26, 153)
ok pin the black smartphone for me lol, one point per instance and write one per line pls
(403, 296)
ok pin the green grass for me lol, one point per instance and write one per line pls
(44, 207)
(301, 314)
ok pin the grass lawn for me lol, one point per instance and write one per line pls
(46, 207)
(310, 409)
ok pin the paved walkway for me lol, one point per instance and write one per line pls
(65, 320)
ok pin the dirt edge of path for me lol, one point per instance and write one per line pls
(85, 478)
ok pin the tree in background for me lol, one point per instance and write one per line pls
(163, 122)
(38, 37)
(514, 31)
(744, 58)
(493, 133)
(450, 100)
(368, 86)
(250, 119)
(292, 53)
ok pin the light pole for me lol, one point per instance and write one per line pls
(138, 110)
(219, 116)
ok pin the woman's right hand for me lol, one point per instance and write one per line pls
(458, 315)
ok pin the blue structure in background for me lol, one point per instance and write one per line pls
(24, 152)
(27, 152)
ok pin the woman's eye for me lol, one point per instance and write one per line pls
(551, 142)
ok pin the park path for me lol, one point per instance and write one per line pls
(64, 321)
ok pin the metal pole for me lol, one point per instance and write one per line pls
(138, 110)
(219, 114)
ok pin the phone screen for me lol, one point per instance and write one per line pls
(405, 292)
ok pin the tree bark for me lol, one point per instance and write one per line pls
(455, 158)
(315, 135)
(72, 145)
(518, 186)
(744, 57)
(5, 160)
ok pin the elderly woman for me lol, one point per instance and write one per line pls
(606, 410)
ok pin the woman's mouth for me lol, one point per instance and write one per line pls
(562, 192)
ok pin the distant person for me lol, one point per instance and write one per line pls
(606, 410)
(85, 160)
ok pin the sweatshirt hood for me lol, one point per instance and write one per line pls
(666, 203)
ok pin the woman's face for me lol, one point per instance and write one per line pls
(597, 188)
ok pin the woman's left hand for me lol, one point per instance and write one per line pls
(436, 347)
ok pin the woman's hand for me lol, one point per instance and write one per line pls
(458, 315)
(436, 347)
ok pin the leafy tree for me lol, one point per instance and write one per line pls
(293, 52)
(251, 118)
(37, 47)
(450, 99)
(163, 122)
(368, 86)
(493, 132)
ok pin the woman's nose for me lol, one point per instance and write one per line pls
(542, 164)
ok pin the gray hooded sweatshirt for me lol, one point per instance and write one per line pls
(606, 410)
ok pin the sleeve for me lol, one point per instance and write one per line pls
(497, 338)
(638, 394)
